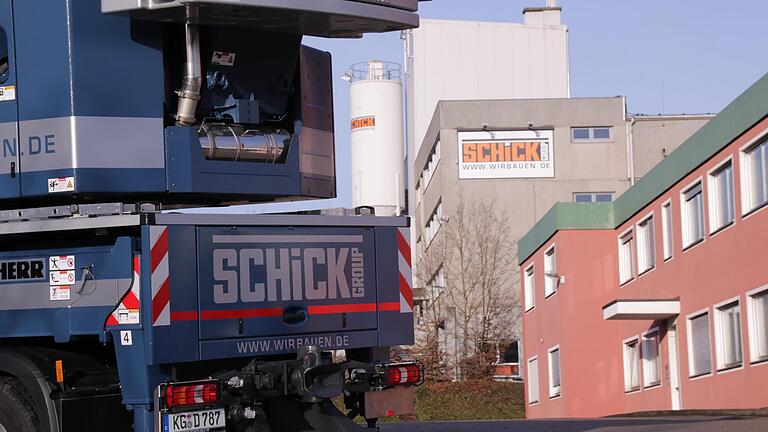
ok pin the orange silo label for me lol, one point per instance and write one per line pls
(366, 122)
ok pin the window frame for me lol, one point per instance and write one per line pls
(430, 167)
(555, 392)
(625, 344)
(654, 335)
(5, 45)
(529, 283)
(436, 290)
(689, 336)
(684, 216)
(592, 197)
(747, 206)
(550, 282)
(667, 230)
(632, 256)
(530, 381)
(753, 325)
(714, 199)
(591, 133)
(649, 234)
(720, 335)
(434, 217)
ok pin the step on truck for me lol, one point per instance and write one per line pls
(121, 310)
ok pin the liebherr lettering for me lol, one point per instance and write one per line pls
(253, 275)
(22, 270)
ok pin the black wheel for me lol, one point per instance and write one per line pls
(16, 409)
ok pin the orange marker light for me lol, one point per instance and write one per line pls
(59, 371)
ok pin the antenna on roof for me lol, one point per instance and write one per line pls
(551, 3)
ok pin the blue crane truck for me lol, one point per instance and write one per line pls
(121, 311)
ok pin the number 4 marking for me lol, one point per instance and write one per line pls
(126, 337)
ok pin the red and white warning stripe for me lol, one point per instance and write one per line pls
(127, 312)
(161, 289)
(404, 265)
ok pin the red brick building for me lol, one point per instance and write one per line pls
(659, 300)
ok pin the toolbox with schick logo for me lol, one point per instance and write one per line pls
(266, 288)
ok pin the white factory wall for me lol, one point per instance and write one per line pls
(464, 60)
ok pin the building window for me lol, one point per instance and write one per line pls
(431, 166)
(4, 62)
(631, 365)
(533, 380)
(551, 278)
(666, 230)
(417, 194)
(434, 223)
(437, 284)
(721, 204)
(592, 197)
(699, 345)
(530, 289)
(651, 362)
(592, 134)
(646, 246)
(626, 257)
(692, 204)
(754, 179)
(728, 335)
(554, 372)
(758, 325)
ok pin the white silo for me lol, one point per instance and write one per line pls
(376, 112)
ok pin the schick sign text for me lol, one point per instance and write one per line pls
(506, 154)
(269, 274)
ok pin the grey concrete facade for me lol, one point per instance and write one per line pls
(635, 145)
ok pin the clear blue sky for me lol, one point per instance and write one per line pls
(681, 56)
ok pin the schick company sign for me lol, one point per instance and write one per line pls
(280, 268)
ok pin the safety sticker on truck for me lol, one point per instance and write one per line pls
(61, 184)
(64, 262)
(59, 293)
(62, 277)
(223, 58)
(128, 316)
(7, 93)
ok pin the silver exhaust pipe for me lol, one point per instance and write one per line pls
(189, 93)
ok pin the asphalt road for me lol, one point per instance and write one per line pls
(661, 424)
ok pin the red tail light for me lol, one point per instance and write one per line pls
(191, 394)
(405, 373)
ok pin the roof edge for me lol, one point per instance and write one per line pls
(749, 108)
(564, 216)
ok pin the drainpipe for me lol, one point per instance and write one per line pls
(189, 93)
(630, 123)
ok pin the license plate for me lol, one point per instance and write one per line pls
(194, 421)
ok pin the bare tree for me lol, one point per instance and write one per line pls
(475, 256)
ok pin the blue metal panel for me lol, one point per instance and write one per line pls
(9, 184)
(74, 60)
(395, 328)
(28, 309)
(251, 279)
(96, 180)
(42, 58)
(177, 342)
(137, 379)
(190, 172)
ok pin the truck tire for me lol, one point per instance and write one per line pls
(16, 409)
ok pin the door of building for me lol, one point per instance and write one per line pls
(674, 366)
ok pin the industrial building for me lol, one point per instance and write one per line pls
(658, 300)
(470, 60)
(525, 155)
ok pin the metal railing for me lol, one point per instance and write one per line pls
(372, 71)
